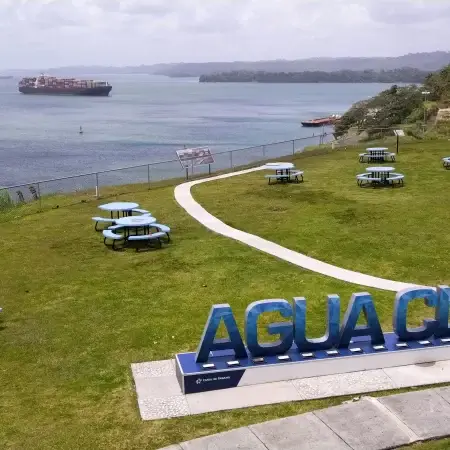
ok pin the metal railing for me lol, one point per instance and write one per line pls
(89, 186)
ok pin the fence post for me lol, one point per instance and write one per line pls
(187, 173)
(39, 196)
(264, 151)
(231, 159)
(293, 147)
(209, 169)
(148, 175)
(97, 193)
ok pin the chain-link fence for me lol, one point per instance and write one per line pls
(46, 194)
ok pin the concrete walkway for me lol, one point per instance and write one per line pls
(184, 198)
(367, 424)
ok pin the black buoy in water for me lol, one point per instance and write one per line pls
(81, 130)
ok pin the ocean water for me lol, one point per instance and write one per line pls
(147, 118)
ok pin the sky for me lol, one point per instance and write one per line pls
(54, 33)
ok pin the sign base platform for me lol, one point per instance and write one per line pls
(223, 371)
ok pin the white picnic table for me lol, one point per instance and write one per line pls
(283, 172)
(380, 172)
(126, 208)
(136, 223)
(376, 154)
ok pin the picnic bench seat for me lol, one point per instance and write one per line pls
(115, 227)
(396, 178)
(102, 220)
(365, 178)
(276, 177)
(295, 174)
(140, 211)
(163, 229)
(155, 237)
(108, 234)
(363, 156)
(390, 156)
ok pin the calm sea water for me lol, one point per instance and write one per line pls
(147, 118)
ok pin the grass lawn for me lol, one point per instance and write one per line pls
(443, 444)
(76, 315)
(398, 234)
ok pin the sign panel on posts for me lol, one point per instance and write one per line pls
(191, 157)
(400, 133)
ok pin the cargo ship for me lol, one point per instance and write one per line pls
(63, 86)
(323, 122)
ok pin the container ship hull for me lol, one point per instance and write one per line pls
(44, 85)
(102, 91)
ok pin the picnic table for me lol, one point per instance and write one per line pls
(377, 154)
(124, 208)
(284, 172)
(136, 224)
(446, 162)
(380, 176)
(381, 173)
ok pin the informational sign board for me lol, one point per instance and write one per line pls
(192, 157)
(399, 133)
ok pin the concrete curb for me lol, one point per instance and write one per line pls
(184, 198)
(369, 424)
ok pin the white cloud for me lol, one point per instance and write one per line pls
(42, 33)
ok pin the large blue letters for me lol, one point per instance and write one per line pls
(399, 319)
(285, 330)
(295, 329)
(442, 310)
(361, 303)
(208, 342)
(331, 337)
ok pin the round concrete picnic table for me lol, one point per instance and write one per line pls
(281, 169)
(136, 223)
(377, 149)
(119, 207)
(380, 172)
(377, 153)
(279, 166)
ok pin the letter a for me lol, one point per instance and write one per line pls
(208, 341)
(361, 303)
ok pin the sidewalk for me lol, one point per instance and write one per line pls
(367, 424)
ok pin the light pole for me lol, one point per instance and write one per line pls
(426, 94)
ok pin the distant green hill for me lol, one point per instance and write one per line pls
(413, 108)
(402, 75)
(429, 62)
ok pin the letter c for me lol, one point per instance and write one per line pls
(399, 321)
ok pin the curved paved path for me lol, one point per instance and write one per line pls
(184, 198)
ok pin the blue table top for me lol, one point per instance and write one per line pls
(380, 169)
(119, 206)
(132, 222)
(279, 166)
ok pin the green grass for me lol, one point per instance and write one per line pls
(398, 234)
(443, 444)
(76, 315)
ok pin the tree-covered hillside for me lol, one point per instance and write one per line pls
(402, 75)
(413, 106)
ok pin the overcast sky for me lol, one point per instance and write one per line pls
(49, 33)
